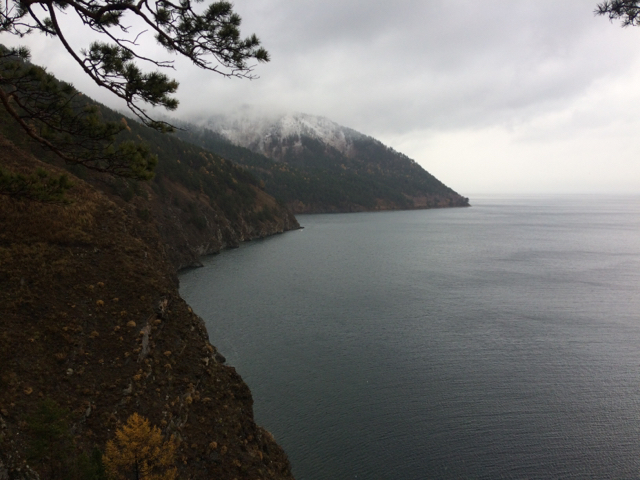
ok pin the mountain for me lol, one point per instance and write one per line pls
(93, 328)
(200, 202)
(314, 165)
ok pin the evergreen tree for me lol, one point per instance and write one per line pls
(115, 64)
(626, 10)
(39, 186)
(51, 444)
(62, 120)
(51, 448)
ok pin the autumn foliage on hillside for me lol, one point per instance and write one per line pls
(140, 451)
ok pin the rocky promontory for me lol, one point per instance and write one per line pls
(91, 319)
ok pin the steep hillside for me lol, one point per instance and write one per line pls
(315, 165)
(201, 202)
(91, 319)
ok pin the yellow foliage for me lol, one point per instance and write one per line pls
(140, 451)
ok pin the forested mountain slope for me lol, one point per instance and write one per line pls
(200, 202)
(315, 165)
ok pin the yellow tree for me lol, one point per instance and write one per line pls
(139, 451)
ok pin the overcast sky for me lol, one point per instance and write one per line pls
(492, 96)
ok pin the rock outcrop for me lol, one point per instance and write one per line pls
(191, 226)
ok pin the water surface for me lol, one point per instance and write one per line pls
(498, 341)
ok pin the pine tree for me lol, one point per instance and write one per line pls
(39, 186)
(626, 10)
(211, 40)
(58, 117)
(51, 443)
(61, 119)
(51, 448)
(139, 451)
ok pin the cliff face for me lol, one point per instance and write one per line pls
(90, 317)
(191, 226)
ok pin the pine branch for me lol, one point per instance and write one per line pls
(57, 116)
(626, 10)
(211, 40)
(39, 186)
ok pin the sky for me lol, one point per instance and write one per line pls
(491, 97)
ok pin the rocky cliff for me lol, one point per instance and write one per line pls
(91, 318)
(190, 225)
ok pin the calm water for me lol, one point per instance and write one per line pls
(498, 341)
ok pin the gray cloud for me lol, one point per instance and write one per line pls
(439, 64)
(408, 71)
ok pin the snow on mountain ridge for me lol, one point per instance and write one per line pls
(263, 134)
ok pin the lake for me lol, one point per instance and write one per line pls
(497, 341)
